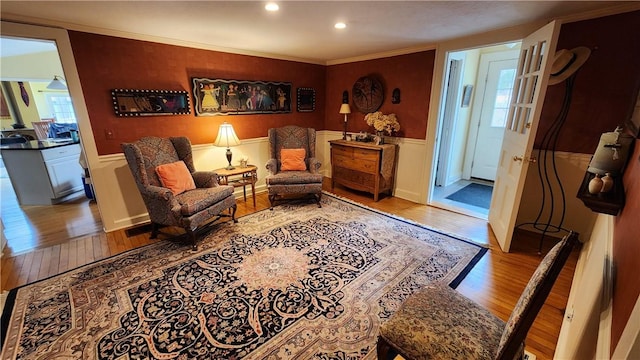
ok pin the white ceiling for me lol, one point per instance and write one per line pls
(301, 30)
(15, 47)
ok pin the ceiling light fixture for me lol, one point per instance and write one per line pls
(340, 25)
(272, 7)
(56, 84)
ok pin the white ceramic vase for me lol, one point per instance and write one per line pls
(607, 183)
(595, 185)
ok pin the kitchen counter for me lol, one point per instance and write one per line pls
(43, 172)
(39, 144)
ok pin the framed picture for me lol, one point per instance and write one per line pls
(237, 97)
(306, 99)
(128, 102)
(466, 95)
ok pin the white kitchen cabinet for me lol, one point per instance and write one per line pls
(43, 174)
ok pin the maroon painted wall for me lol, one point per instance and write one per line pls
(105, 63)
(626, 250)
(605, 86)
(411, 73)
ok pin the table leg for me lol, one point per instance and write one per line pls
(253, 191)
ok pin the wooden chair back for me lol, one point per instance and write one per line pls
(42, 128)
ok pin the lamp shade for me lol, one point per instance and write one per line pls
(226, 136)
(56, 84)
(345, 109)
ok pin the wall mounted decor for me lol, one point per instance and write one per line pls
(238, 97)
(466, 95)
(306, 99)
(345, 97)
(128, 102)
(368, 94)
(395, 96)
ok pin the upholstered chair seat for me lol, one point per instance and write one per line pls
(437, 322)
(281, 181)
(192, 209)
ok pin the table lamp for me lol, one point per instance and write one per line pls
(227, 138)
(344, 109)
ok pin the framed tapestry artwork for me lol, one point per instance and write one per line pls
(238, 97)
(127, 102)
(306, 99)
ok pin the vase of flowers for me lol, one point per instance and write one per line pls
(382, 123)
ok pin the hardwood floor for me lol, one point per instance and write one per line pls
(495, 282)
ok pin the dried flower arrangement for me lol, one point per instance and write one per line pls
(381, 122)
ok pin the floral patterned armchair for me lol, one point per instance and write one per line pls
(437, 322)
(285, 182)
(191, 209)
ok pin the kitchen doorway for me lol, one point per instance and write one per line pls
(36, 226)
(471, 124)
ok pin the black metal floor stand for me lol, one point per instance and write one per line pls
(549, 177)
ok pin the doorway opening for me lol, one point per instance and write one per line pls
(29, 65)
(471, 124)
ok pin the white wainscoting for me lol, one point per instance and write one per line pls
(571, 169)
(121, 205)
(584, 333)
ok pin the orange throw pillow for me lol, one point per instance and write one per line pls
(176, 177)
(292, 159)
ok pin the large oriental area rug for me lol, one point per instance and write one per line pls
(296, 282)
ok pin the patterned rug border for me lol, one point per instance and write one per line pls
(9, 303)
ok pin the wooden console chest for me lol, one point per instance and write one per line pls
(363, 166)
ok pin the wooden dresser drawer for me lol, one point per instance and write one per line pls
(355, 153)
(342, 151)
(367, 166)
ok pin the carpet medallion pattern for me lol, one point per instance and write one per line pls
(296, 282)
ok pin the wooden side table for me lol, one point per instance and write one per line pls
(246, 176)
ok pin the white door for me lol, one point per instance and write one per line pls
(532, 75)
(493, 114)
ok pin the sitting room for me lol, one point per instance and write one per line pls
(320, 223)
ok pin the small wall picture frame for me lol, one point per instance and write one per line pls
(306, 98)
(466, 95)
(130, 102)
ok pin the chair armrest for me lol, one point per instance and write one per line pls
(205, 179)
(314, 165)
(160, 198)
(272, 166)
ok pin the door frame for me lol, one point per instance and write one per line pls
(449, 116)
(474, 124)
(67, 59)
(437, 96)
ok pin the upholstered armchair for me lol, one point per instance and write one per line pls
(173, 192)
(437, 322)
(293, 167)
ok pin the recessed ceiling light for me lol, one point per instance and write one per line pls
(272, 7)
(340, 25)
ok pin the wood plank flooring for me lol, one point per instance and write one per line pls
(49, 247)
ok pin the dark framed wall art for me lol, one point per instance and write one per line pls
(306, 99)
(129, 102)
(237, 97)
